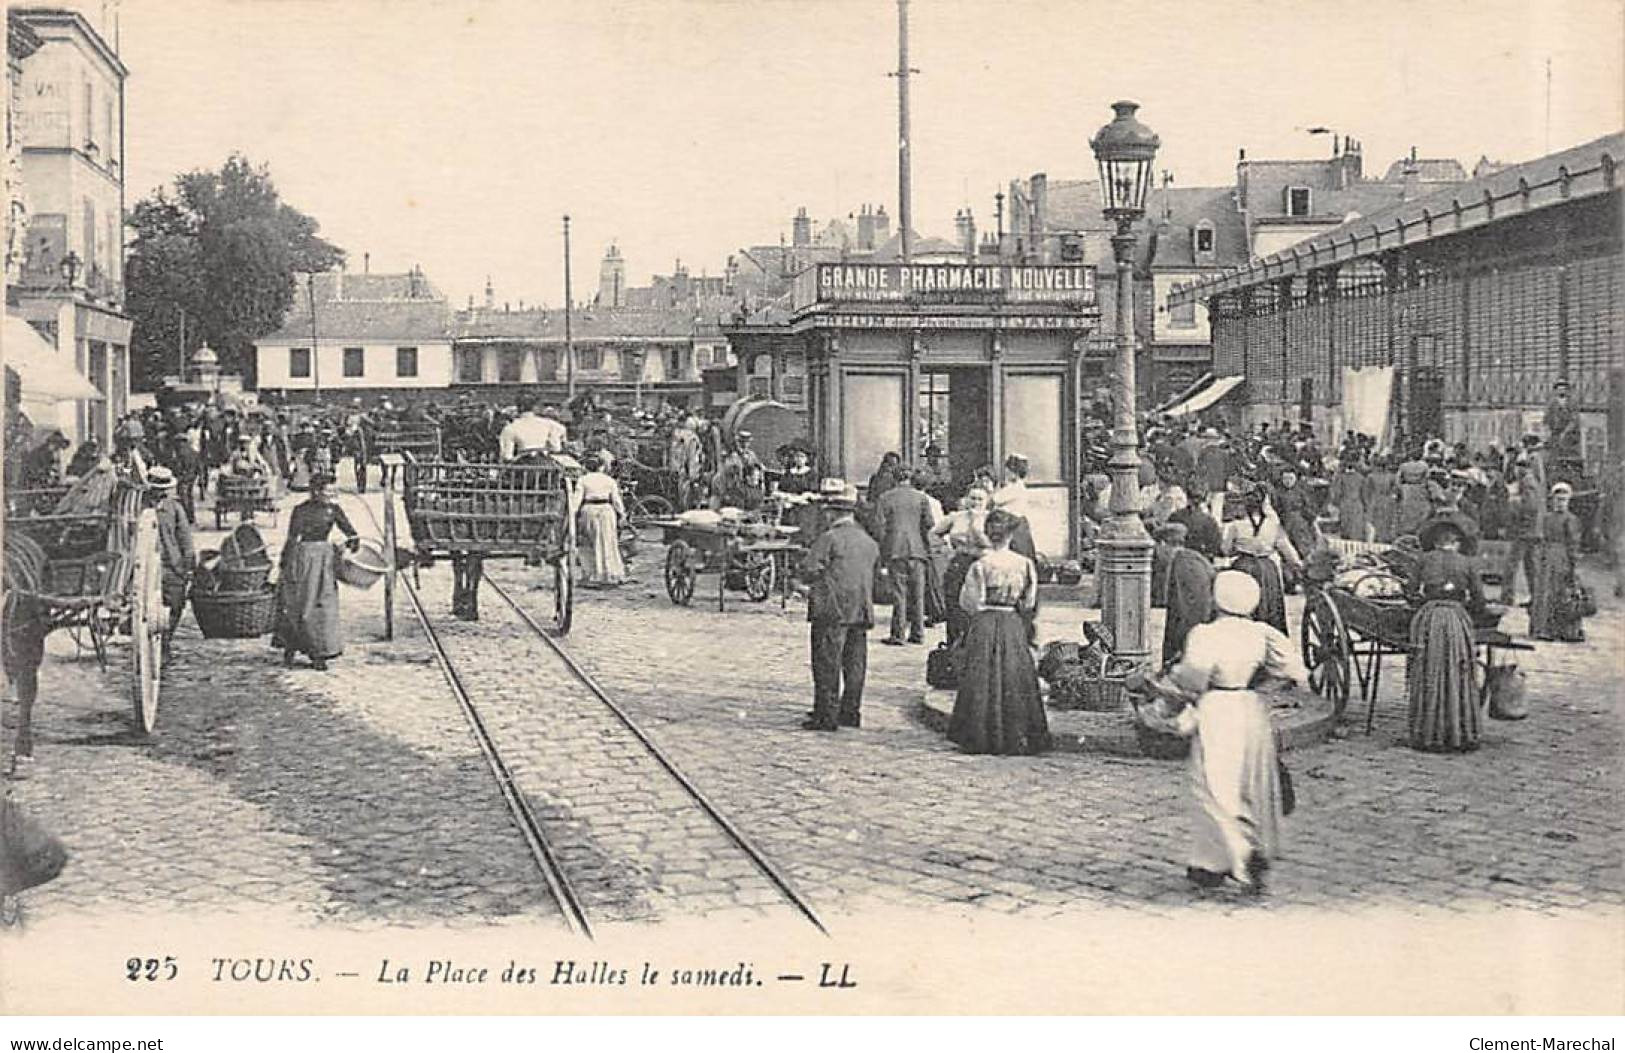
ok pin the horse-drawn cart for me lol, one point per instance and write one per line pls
(473, 512)
(753, 557)
(100, 578)
(1354, 620)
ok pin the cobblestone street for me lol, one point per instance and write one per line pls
(360, 796)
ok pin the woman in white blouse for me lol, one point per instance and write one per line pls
(602, 510)
(1260, 545)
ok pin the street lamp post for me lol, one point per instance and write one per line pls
(1125, 149)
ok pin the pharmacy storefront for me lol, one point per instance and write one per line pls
(977, 360)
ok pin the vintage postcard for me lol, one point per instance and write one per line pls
(865, 506)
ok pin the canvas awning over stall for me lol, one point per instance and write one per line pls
(1206, 397)
(43, 373)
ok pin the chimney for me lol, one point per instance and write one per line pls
(801, 229)
(970, 236)
(866, 230)
(1039, 216)
(490, 295)
(882, 225)
(990, 247)
(366, 263)
(1410, 183)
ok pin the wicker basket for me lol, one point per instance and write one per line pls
(235, 615)
(362, 568)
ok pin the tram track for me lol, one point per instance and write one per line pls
(656, 783)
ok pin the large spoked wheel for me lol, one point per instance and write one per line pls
(645, 510)
(681, 573)
(759, 576)
(146, 625)
(1327, 651)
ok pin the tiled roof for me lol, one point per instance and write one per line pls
(338, 285)
(384, 320)
(1073, 206)
(1429, 170)
(891, 249)
(1579, 172)
(587, 323)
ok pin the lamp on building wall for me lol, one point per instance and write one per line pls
(1125, 149)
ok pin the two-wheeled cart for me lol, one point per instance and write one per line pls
(469, 513)
(102, 580)
(750, 557)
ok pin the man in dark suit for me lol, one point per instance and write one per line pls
(904, 521)
(840, 567)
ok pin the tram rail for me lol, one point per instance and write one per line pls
(531, 826)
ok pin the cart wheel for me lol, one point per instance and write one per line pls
(759, 576)
(146, 625)
(1327, 652)
(680, 573)
(644, 511)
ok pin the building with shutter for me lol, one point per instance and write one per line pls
(1479, 296)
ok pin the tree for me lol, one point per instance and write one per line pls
(223, 248)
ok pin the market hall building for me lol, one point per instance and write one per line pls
(980, 359)
(1469, 304)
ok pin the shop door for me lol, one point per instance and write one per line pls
(951, 408)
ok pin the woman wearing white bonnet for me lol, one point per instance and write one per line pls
(1235, 793)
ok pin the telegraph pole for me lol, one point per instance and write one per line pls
(569, 299)
(904, 206)
(315, 350)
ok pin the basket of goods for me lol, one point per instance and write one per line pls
(235, 615)
(1068, 572)
(363, 567)
(216, 574)
(1158, 706)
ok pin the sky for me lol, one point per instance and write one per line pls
(456, 134)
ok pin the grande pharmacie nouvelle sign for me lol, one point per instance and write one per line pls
(974, 282)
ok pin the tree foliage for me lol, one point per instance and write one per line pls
(222, 247)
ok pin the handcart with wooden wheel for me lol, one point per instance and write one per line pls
(469, 513)
(242, 496)
(753, 557)
(101, 580)
(1353, 621)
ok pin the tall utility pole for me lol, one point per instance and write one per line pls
(315, 349)
(569, 301)
(904, 206)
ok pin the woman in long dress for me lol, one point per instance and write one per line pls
(1349, 493)
(1414, 501)
(1439, 668)
(1188, 591)
(602, 511)
(1551, 614)
(308, 596)
(999, 708)
(1233, 778)
(1260, 546)
(1382, 500)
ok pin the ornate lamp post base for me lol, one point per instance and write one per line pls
(1124, 573)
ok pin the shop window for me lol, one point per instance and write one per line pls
(674, 363)
(760, 385)
(1032, 423)
(871, 420)
(510, 361)
(547, 365)
(355, 362)
(590, 357)
(406, 362)
(299, 363)
(470, 366)
(1297, 201)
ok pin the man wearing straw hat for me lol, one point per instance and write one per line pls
(840, 567)
(175, 550)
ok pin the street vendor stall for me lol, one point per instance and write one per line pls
(753, 555)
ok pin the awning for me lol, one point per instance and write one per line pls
(43, 373)
(1190, 389)
(1206, 397)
